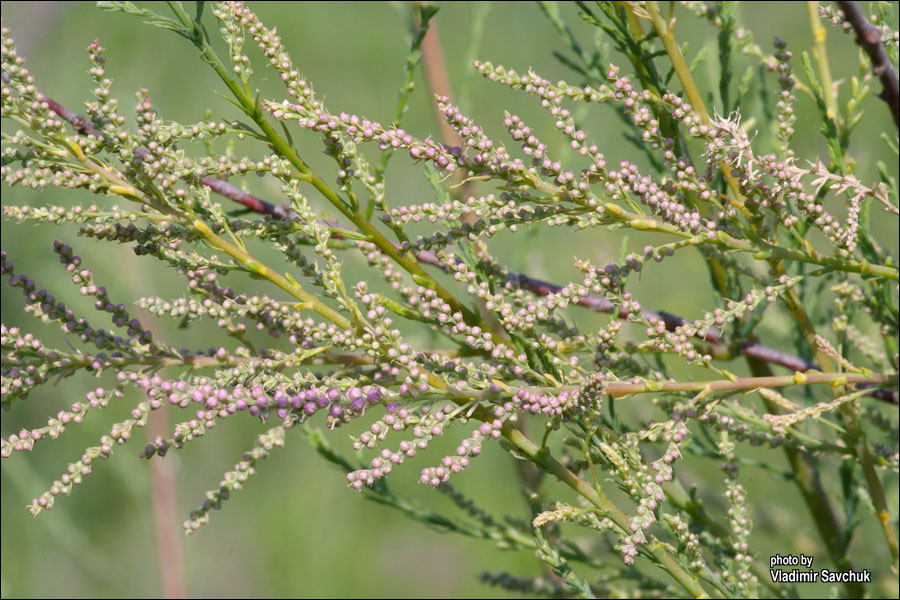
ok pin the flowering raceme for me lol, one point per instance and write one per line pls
(442, 339)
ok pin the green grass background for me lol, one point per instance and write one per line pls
(296, 530)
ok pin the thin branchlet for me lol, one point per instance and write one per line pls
(510, 362)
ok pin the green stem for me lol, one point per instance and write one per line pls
(423, 15)
(677, 495)
(765, 251)
(545, 460)
(122, 187)
(750, 383)
(620, 389)
(261, 270)
(668, 126)
(761, 250)
(856, 437)
(820, 53)
(283, 148)
(792, 299)
(689, 87)
(806, 476)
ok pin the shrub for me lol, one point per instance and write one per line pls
(347, 304)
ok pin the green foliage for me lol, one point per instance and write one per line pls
(783, 366)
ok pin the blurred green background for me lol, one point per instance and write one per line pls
(296, 530)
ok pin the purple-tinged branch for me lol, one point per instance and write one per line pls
(251, 202)
(869, 38)
(536, 286)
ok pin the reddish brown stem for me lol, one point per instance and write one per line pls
(223, 188)
(869, 38)
(165, 514)
(536, 286)
(437, 81)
